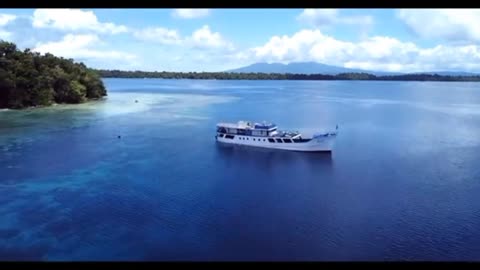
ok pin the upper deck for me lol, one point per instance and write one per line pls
(249, 125)
(254, 129)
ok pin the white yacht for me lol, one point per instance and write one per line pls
(268, 136)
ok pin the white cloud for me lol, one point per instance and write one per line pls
(357, 20)
(81, 47)
(202, 38)
(5, 35)
(209, 50)
(190, 13)
(448, 24)
(73, 20)
(6, 18)
(205, 38)
(318, 17)
(159, 35)
(375, 53)
(327, 17)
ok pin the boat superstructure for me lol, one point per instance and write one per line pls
(267, 135)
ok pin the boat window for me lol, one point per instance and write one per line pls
(229, 136)
(279, 140)
(263, 139)
(221, 135)
(254, 139)
(301, 140)
(287, 140)
(271, 140)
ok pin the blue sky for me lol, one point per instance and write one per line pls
(222, 39)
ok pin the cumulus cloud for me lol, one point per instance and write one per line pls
(447, 24)
(327, 17)
(81, 47)
(205, 38)
(74, 20)
(6, 18)
(202, 38)
(374, 53)
(74, 33)
(21, 32)
(190, 13)
(159, 35)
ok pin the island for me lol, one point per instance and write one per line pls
(282, 76)
(29, 79)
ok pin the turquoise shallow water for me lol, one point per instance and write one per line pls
(401, 184)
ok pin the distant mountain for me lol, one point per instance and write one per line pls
(304, 68)
(318, 68)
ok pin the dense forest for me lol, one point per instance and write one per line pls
(29, 79)
(279, 76)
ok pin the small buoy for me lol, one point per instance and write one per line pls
(119, 136)
(136, 101)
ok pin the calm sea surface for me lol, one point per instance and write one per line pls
(403, 182)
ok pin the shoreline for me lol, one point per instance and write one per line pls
(253, 76)
(51, 105)
(292, 80)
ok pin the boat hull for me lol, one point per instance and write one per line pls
(320, 144)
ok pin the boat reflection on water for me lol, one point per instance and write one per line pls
(269, 159)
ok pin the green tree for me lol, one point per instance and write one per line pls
(30, 79)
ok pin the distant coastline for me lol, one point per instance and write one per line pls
(283, 76)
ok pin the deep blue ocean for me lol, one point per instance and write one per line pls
(402, 183)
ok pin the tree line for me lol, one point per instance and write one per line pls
(279, 76)
(30, 79)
